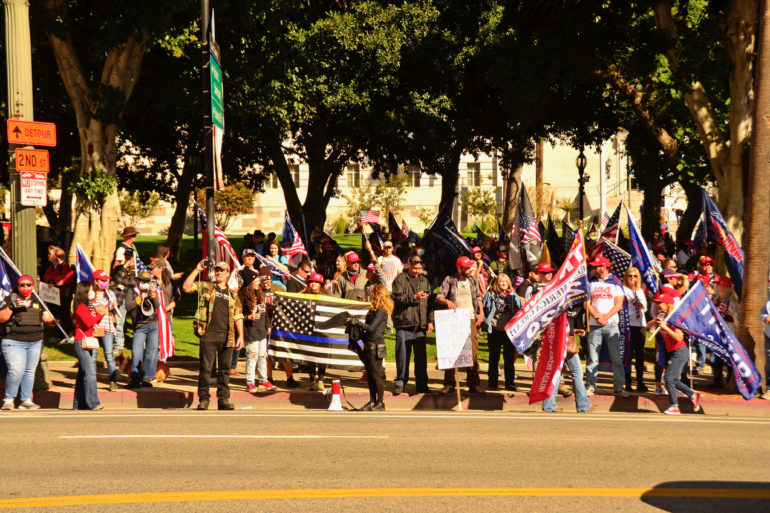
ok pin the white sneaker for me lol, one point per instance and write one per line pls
(7, 404)
(590, 391)
(29, 405)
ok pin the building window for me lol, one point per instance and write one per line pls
(274, 182)
(354, 175)
(474, 174)
(414, 176)
(294, 170)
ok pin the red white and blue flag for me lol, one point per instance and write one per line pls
(290, 233)
(370, 216)
(612, 227)
(568, 288)
(698, 316)
(165, 333)
(717, 231)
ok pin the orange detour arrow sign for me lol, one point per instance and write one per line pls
(35, 133)
(32, 160)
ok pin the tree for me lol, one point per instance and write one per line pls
(386, 195)
(480, 204)
(234, 200)
(99, 68)
(138, 205)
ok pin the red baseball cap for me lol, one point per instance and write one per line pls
(545, 268)
(317, 278)
(600, 261)
(352, 257)
(663, 298)
(724, 281)
(476, 249)
(101, 275)
(705, 260)
(464, 261)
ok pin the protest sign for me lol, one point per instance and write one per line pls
(453, 338)
(49, 294)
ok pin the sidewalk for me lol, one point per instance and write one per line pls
(179, 391)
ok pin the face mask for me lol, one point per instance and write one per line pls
(421, 252)
(103, 285)
(91, 294)
(144, 286)
(25, 292)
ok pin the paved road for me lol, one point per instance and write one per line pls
(192, 461)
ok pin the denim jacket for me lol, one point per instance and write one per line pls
(490, 308)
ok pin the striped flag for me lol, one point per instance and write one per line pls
(370, 216)
(528, 362)
(311, 328)
(621, 260)
(225, 251)
(604, 222)
(165, 333)
(612, 226)
(5, 281)
(84, 269)
(290, 233)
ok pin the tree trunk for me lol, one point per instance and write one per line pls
(182, 196)
(755, 273)
(281, 167)
(512, 191)
(653, 200)
(692, 213)
(450, 175)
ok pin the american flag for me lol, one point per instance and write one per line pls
(225, 251)
(621, 260)
(529, 230)
(528, 362)
(370, 216)
(290, 233)
(604, 221)
(5, 281)
(165, 333)
(311, 329)
(612, 226)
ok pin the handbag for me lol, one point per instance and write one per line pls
(89, 343)
(572, 346)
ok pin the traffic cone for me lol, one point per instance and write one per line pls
(335, 405)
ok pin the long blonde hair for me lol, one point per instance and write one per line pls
(633, 271)
(380, 298)
(496, 286)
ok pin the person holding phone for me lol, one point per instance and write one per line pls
(256, 327)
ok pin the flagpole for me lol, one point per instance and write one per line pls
(588, 319)
(16, 269)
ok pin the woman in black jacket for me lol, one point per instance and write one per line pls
(372, 334)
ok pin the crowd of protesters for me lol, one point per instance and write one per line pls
(404, 283)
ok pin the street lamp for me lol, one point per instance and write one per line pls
(581, 163)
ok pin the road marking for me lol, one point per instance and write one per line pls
(378, 437)
(340, 493)
(534, 416)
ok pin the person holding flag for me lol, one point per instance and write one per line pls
(104, 330)
(142, 304)
(678, 355)
(606, 300)
(60, 275)
(24, 317)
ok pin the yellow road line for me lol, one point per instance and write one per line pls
(340, 493)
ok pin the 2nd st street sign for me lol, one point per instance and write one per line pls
(32, 160)
(35, 133)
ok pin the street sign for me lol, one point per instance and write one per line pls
(32, 160)
(217, 104)
(35, 133)
(33, 188)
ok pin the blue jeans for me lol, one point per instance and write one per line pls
(582, 403)
(595, 337)
(676, 362)
(86, 396)
(120, 336)
(106, 343)
(22, 359)
(406, 342)
(700, 350)
(145, 349)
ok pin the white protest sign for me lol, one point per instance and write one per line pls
(49, 294)
(453, 338)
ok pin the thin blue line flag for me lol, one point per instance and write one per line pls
(84, 269)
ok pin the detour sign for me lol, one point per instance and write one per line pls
(35, 133)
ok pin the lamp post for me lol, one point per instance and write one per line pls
(581, 163)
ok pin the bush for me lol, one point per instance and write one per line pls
(340, 225)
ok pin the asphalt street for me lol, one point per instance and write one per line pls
(456, 461)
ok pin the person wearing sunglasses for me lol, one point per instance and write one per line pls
(24, 317)
(637, 307)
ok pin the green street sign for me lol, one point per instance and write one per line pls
(217, 105)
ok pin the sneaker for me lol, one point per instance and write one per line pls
(291, 382)
(672, 410)
(622, 393)
(233, 372)
(590, 390)
(660, 391)
(7, 404)
(448, 389)
(319, 386)
(113, 386)
(252, 388)
(696, 402)
(29, 405)
(378, 407)
(266, 387)
(368, 406)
